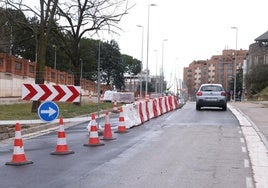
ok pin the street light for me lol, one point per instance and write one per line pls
(147, 58)
(156, 57)
(141, 56)
(162, 71)
(235, 60)
(99, 78)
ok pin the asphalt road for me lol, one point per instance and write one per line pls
(183, 148)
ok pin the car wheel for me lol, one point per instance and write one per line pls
(197, 107)
(224, 108)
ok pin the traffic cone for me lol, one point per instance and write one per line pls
(107, 133)
(19, 157)
(115, 109)
(93, 134)
(121, 125)
(62, 147)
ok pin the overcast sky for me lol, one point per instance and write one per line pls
(195, 29)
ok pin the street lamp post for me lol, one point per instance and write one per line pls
(147, 58)
(162, 67)
(236, 29)
(99, 78)
(156, 57)
(141, 57)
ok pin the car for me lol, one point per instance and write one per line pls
(211, 95)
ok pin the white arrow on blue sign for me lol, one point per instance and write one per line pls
(48, 111)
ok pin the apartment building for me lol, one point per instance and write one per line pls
(217, 69)
(258, 52)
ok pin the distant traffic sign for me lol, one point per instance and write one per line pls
(48, 111)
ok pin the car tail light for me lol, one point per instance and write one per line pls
(199, 93)
(223, 93)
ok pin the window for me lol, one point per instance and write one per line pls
(61, 77)
(18, 66)
(1, 62)
(31, 69)
(53, 75)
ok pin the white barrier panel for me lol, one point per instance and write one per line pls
(137, 119)
(150, 107)
(131, 115)
(157, 108)
(164, 109)
(128, 115)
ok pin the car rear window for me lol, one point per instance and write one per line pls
(211, 88)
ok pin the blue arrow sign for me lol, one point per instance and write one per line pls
(48, 111)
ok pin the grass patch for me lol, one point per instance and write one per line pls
(67, 110)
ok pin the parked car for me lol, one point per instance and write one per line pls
(211, 95)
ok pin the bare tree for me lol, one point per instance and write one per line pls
(88, 16)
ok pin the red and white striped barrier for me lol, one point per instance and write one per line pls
(141, 111)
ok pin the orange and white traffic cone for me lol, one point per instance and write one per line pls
(62, 147)
(93, 134)
(19, 157)
(115, 108)
(121, 125)
(107, 133)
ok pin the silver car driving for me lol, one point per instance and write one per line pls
(211, 95)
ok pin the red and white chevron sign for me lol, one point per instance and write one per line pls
(45, 92)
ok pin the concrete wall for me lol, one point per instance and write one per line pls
(14, 72)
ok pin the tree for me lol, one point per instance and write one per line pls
(111, 64)
(42, 33)
(16, 36)
(256, 79)
(87, 17)
(132, 66)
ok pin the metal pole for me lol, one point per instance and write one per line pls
(99, 83)
(81, 68)
(235, 60)
(147, 71)
(156, 71)
(11, 40)
(162, 71)
(147, 56)
(141, 58)
(55, 56)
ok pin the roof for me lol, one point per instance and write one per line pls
(263, 37)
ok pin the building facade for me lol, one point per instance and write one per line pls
(258, 52)
(218, 69)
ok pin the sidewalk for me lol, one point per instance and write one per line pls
(257, 112)
(253, 120)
